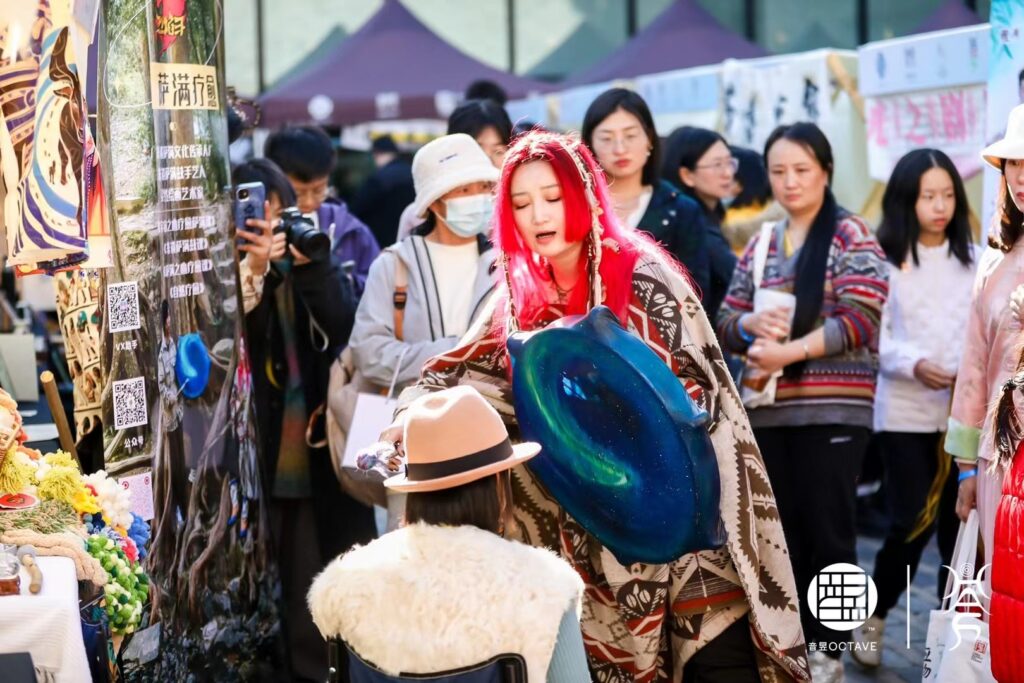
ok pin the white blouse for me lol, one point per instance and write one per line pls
(925, 318)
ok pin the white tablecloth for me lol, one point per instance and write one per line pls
(47, 625)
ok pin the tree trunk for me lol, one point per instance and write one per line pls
(212, 576)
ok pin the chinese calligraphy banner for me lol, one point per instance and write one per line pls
(952, 120)
(925, 62)
(760, 94)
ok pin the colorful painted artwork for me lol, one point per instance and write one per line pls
(45, 128)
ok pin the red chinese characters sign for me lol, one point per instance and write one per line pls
(170, 22)
(951, 120)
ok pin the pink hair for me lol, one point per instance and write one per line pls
(529, 274)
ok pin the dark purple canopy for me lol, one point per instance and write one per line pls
(951, 14)
(683, 36)
(392, 53)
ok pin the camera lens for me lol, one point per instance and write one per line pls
(243, 194)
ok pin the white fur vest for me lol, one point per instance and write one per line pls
(424, 599)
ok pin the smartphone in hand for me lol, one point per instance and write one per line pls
(249, 201)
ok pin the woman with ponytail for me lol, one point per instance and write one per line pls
(814, 434)
(728, 613)
(985, 425)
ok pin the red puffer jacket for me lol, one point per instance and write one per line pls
(1006, 627)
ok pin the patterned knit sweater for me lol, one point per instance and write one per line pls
(838, 388)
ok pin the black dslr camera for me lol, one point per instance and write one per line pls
(302, 234)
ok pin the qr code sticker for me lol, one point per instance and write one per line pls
(130, 403)
(123, 306)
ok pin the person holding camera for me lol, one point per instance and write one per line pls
(302, 316)
(306, 156)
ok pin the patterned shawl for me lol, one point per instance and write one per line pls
(643, 622)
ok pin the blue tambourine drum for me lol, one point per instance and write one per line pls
(625, 449)
(192, 365)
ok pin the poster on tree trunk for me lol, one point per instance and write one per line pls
(177, 400)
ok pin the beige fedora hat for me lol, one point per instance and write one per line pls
(1012, 144)
(454, 437)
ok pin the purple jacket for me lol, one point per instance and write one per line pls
(351, 240)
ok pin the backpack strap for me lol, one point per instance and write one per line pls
(401, 295)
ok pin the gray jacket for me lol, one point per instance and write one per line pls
(376, 350)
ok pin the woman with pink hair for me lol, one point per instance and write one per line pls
(726, 614)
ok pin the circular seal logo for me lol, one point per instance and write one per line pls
(842, 596)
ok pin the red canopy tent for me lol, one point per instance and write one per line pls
(391, 68)
(683, 36)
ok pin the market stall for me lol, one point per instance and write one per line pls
(157, 468)
(62, 534)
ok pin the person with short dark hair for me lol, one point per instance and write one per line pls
(523, 126)
(306, 156)
(487, 122)
(386, 193)
(303, 315)
(619, 128)
(752, 204)
(484, 89)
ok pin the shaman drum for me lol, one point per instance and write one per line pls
(625, 449)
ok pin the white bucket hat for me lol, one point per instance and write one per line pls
(1012, 144)
(445, 164)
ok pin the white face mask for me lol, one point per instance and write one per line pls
(469, 216)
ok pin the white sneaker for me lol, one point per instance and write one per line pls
(824, 669)
(868, 637)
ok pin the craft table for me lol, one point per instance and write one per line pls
(47, 625)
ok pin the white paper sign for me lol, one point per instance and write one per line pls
(372, 415)
(140, 486)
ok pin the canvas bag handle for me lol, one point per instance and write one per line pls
(964, 553)
(761, 252)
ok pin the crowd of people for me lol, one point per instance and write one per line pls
(803, 331)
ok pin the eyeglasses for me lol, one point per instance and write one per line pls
(627, 141)
(732, 163)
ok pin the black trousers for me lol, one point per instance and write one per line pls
(912, 464)
(729, 658)
(813, 471)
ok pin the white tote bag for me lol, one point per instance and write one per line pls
(765, 299)
(956, 648)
